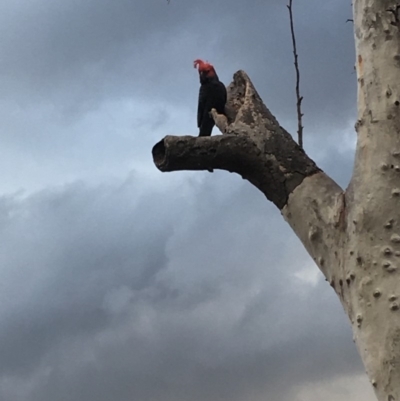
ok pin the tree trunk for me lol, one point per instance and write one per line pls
(353, 235)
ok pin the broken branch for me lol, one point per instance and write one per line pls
(254, 145)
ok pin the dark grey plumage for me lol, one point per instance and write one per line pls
(212, 95)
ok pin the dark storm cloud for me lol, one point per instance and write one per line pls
(77, 54)
(87, 86)
(126, 292)
(57, 269)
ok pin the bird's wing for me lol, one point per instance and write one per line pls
(201, 104)
(224, 92)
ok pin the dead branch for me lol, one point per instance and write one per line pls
(296, 65)
(253, 145)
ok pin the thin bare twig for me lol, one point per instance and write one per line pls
(296, 65)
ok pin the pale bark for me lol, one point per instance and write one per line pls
(353, 235)
(373, 214)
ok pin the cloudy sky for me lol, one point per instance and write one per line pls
(122, 283)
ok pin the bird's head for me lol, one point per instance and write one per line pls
(206, 70)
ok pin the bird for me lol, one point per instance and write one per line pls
(212, 95)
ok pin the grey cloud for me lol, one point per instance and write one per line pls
(88, 88)
(76, 55)
(59, 264)
(122, 291)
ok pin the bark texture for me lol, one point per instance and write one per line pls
(253, 145)
(353, 235)
(373, 197)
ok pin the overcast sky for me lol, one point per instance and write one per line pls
(122, 283)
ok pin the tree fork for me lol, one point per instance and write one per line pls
(255, 146)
